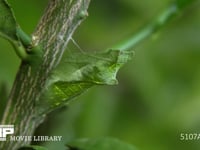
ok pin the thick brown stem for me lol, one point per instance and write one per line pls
(52, 34)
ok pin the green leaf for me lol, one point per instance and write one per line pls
(99, 144)
(10, 30)
(32, 147)
(77, 73)
(8, 25)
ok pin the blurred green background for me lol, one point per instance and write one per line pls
(158, 96)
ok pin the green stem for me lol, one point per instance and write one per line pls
(153, 26)
(20, 50)
(25, 49)
(24, 38)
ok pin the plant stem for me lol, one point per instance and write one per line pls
(52, 34)
(166, 16)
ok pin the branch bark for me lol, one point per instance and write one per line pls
(52, 35)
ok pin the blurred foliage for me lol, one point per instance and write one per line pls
(33, 147)
(99, 144)
(158, 93)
